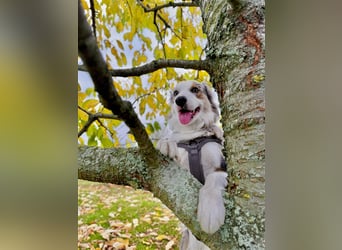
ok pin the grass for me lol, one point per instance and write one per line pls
(119, 217)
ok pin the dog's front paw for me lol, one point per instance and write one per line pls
(211, 210)
(167, 147)
(217, 132)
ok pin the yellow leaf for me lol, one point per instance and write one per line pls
(142, 106)
(85, 4)
(155, 77)
(151, 102)
(174, 40)
(114, 123)
(129, 36)
(120, 44)
(107, 43)
(90, 104)
(80, 140)
(158, 53)
(142, 58)
(160, 98)
(123, 58)
(147, 41)
(81, 96)
(162, 237)
(119, 27)
(82, 115)
(106, 31)
(114, 53)
(131, 137)
(246, 196)
(258, 78)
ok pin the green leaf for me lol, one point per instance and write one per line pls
(149, 128)
(92, 141)
(106, 142)
(156, 126)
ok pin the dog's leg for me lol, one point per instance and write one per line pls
(211, 210)
(189, 242)
(167, 147)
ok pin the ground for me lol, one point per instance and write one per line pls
(120, 217)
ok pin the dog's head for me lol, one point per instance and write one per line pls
(193, 105)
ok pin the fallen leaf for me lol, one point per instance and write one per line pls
(162, 237)
(169, 245)
(135, 222)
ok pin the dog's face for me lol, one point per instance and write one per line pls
(194, 105)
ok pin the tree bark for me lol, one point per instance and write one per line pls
(235, 32)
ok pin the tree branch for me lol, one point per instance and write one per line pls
(173, 185)
(156, 65)
(93, 16)
(170, 4)
(102, 79)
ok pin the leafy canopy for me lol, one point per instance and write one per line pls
(128, 37)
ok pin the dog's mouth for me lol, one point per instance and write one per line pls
(185, 116)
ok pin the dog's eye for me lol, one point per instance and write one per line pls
(194, 90)
(175, 92)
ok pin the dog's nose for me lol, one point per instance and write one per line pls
(180, 101)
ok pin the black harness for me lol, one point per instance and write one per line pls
(193, 147)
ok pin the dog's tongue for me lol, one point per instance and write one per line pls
(185, 117)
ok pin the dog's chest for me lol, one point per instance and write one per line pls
(200, 156)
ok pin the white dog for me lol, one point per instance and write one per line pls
(194, 140)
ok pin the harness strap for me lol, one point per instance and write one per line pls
(193, 147)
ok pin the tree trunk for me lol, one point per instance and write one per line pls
(237, 48)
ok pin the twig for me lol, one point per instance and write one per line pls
(95, 117)
(144, 95)
(105, 127)
(170, 4)
(85, 111)
(91, 119)
(159, 33)
(168, 26)
(156, 14)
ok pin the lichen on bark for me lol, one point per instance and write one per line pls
(115, 165)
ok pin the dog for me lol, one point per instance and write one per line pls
(194, 140)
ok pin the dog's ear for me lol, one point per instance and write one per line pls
(212, 97)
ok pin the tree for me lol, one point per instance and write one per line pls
(235, 61)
